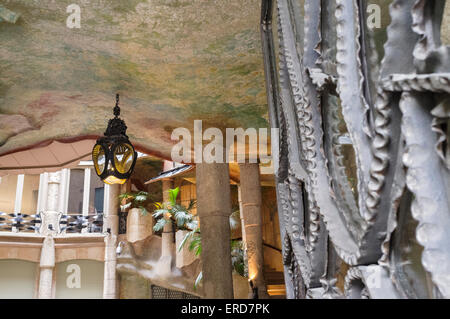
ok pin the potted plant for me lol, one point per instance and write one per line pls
(139, 222)
(180, 218)
(176, 214)
(134, 200)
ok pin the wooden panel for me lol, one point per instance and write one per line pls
(188, 193)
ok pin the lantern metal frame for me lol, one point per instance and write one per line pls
(114, 136)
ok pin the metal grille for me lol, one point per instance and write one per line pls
(173, 294)
(189, 296)
(159, 292)
(163, 293)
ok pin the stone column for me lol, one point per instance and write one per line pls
(168, 237)
(47, 264)
(244, 243)
(110, 276)
(50, 216)
(214, 209)
(54, 179)
(112, 208)
(49, 227)
(112, 222)
(251, 211)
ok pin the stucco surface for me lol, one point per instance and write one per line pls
(172, 61)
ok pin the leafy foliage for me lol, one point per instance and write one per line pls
(184, 220)
(198, 280)
(173, 194)
(194, 239)
(196, 245)
(237, 257)
(171, 212)
(135, 200)
(159, 225)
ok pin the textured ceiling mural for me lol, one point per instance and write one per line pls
(172, 61)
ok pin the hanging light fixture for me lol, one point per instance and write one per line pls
(113, 154)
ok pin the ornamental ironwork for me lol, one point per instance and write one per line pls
(364, 111)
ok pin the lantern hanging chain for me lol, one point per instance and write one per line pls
(117, 108)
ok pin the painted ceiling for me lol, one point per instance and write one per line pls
(172, 61)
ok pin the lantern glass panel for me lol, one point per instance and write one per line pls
(123, 157)
(114, 180)
(98, 155)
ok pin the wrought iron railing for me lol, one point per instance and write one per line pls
(64, 223)
(19, 222)
(78, 223)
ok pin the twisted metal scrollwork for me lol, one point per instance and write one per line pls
(330, 93)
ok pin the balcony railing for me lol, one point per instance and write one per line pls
(60, 224)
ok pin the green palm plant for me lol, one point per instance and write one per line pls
(194, 239)
(135, 200)
(171, 212)
(237, 251)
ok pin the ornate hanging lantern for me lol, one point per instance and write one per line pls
(113, 154)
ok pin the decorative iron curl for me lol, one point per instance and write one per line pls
(306, 127)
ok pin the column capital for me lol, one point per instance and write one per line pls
(54, 177)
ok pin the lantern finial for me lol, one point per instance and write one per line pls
(117, 108)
